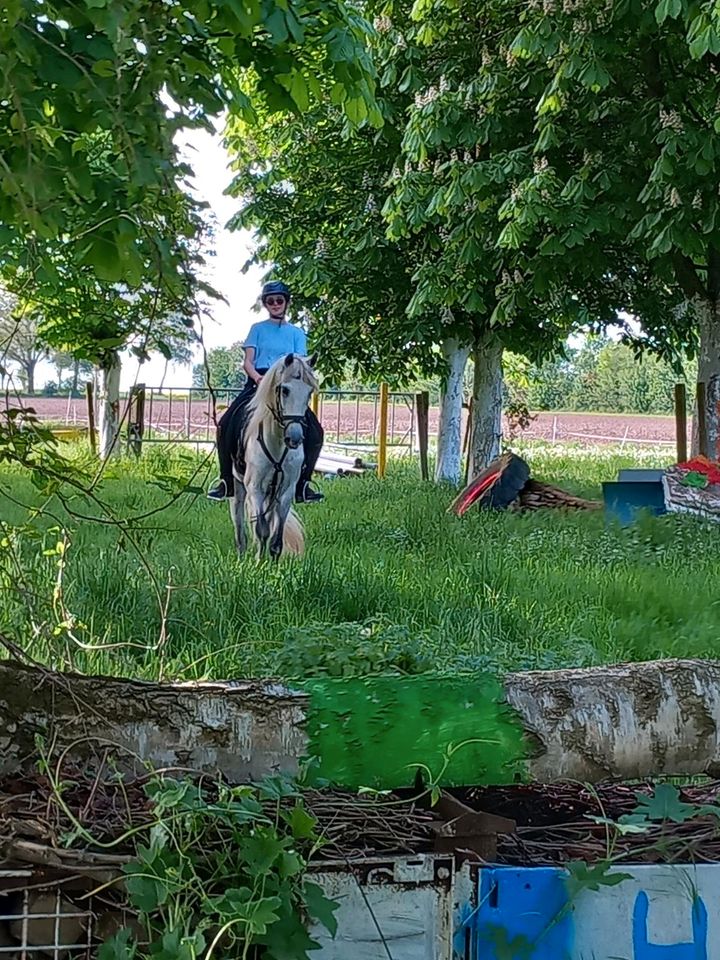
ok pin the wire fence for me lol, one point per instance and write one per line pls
(350, 418)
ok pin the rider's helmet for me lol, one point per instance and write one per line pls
(275, 288)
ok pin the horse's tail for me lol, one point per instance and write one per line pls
(294, 535)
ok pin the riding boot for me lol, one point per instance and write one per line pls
(314, 436)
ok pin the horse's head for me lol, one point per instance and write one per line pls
(291, 384)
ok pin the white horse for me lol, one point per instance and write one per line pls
(273, 455)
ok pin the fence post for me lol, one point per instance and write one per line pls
(466, 452)
(702, 419)
(90, 401)
(315, 402)
(681, 422)
(136, 419)
(422, 406)
(382, 439)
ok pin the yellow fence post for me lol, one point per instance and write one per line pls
(315, 402)
(383, 438)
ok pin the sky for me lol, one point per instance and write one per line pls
(230, 321)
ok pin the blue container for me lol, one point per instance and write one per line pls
(625, 499)
(635, 476)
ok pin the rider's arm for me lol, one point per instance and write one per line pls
(249, 365)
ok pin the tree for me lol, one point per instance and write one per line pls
(627, 160)
(19, 338)
(82, 78)
(314, 195)
(222, 370)
(94, 221)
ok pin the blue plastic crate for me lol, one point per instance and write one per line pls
(626, 499)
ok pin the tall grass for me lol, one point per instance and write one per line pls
(389, 577)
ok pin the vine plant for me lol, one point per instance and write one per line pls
(218, 872)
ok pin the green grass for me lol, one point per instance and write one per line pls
(389, 580)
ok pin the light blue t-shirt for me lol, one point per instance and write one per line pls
(272, 341)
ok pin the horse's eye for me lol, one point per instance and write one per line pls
(286, 391)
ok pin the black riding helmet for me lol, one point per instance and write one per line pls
(275, 288)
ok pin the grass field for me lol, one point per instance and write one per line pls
(390, 581)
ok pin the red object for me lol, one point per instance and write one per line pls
(703, 465)
(475, 491)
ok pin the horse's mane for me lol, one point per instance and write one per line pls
(265, 396)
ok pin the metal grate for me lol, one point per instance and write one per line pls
(57, 920)
(45, 923)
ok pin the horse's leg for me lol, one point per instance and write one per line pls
(279, 517)
(256, 509)
(237, 512)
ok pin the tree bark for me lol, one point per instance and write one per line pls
(448, 464)
(76, 377)
(637, 720)
(109, 413)
(245, 730)
(29, 368)
(486, 434)
(709, 374)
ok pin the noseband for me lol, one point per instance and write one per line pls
(283, 420)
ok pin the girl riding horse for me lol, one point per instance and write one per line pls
(267, 342)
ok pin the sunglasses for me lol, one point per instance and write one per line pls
(275, 301)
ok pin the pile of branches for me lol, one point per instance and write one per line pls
(558, 823)
(69, 828)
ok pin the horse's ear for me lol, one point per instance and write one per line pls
(289, 359)
(313, 360)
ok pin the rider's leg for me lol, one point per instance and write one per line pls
(314, 437)
(226, 438)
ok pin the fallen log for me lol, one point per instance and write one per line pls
(246, 730)
(631, 721)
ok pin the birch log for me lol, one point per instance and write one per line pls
(630, 721)
(448, 461)
(245, 730)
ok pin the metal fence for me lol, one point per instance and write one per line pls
(350, 418)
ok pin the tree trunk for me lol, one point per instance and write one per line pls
(109, 413)
(448, 465)
(487, 403)
(29, 368)
(709, 374)
(636, 720)
(76, 377)
(246, 730)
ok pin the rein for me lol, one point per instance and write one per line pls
(277, 465)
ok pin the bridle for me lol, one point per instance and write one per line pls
(283, 420)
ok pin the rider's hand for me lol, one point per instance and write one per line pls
(258, 380)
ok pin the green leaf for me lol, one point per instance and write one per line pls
(668, 9)
(302, 823)
(146, 893)
(582, 877)
(118, 947)
(320, 907)
(664, 804)
(261, 851)
(104, 68)
(356, 110)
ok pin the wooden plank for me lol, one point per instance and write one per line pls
(422, 409)
(702, 419)
(681, 422)
(90, 401)
(383, 438)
